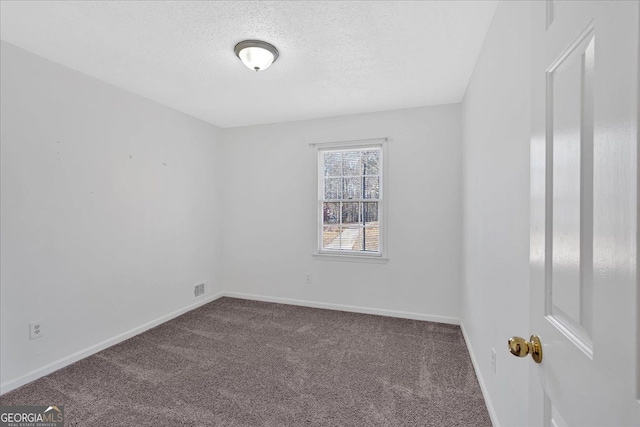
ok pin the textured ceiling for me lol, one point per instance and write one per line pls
(336, 58)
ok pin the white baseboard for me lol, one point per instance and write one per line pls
(483, 386)
(349, 308)
(61, 363)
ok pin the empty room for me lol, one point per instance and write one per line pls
(319, 213)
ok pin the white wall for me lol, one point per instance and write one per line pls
(496, 117)
(109, 211)
(270, 219)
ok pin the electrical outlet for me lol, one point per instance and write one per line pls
(307, 279)
(493, 360)
(36, 329)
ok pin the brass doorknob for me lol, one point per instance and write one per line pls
(521, 347)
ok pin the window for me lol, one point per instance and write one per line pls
(350, 199)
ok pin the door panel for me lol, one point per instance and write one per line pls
(584, 212)
(570, 137)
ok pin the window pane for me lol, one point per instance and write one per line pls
(351, 163)
(332, 188)
(349, 239)
(371, 187)
(357, 244)
(331, 213)
(367, 239)
(330, 237)
(333, 164)
(352, 188)
(371, 162)
(372, 236)
(351, 213)
(370, 212)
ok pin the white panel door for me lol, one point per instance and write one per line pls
(584, 213)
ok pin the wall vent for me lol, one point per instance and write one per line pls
(198, 290)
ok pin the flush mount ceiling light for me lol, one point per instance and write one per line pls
(256, 54)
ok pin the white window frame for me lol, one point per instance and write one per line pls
(331, 255)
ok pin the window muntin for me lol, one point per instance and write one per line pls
(350, 200)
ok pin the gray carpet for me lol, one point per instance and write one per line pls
(244, 363)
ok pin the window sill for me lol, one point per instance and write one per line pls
(350, 258)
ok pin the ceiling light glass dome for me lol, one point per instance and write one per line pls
(256, 54)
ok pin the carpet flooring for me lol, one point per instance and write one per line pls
(235, 362)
